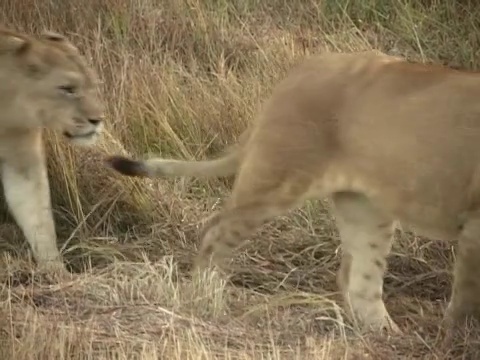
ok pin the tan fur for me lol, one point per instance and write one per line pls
(44, 83)
(387, 140)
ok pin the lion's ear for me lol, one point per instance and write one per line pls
(53, 36)
(14, 44)
(59, 39)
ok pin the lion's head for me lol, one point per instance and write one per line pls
(45, 82)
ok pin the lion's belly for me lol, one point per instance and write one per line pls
(432, 203)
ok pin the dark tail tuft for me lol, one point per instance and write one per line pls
(127, 166)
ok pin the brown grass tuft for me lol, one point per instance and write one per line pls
(183, 79)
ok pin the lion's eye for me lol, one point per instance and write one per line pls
(68, 89)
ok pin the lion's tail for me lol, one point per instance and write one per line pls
(156, 167)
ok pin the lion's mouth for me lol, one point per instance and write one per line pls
(79, 136)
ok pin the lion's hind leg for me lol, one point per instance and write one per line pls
(261, 192)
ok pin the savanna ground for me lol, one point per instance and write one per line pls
(183, 78)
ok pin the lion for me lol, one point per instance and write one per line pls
(45, 83)
(386, 139)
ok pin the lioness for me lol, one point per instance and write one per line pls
(386, 139)
(44, 83)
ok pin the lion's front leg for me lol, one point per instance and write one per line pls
(27, 193)
(462, 317)
(465, 300)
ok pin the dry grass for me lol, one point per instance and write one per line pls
(183, 79)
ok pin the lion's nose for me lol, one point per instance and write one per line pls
(94, 121)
